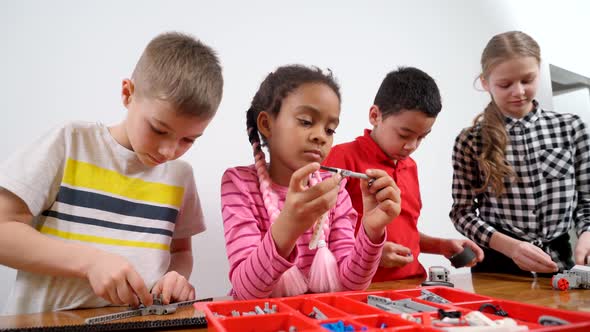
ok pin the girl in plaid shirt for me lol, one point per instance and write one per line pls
(521, 174)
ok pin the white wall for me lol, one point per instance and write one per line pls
(64, 60)
(561, 28)
(576, 101)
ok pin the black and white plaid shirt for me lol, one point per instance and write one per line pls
(550, 153)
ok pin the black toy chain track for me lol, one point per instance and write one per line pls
(194, 322)
(101, 323)
(156, 309)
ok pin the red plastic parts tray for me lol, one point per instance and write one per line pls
(351, 309)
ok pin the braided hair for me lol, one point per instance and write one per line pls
(276, 86)
(273, 90)
(492, 160)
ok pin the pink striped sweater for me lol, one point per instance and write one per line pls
(255, 265)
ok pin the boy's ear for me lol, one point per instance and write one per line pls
(374, 115)
(264, 123)
(127, 88)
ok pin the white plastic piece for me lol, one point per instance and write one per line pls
(477, 318)
(496, 328)
(407, 316)
(583, 268)
(319, 314)
(480, 323)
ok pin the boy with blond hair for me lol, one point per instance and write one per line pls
(110, 210)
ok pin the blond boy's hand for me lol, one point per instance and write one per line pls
(381, 203)
(174, 288)
(395, 255)
(114, 279)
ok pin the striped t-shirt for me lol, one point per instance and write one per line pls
(255, 265)
(82, 186)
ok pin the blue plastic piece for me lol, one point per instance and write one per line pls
(339, 327)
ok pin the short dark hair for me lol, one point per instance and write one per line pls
(408, 88)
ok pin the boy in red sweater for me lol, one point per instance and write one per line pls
(403, 113)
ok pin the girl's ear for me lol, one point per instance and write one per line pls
(484, 83)
(264, 123)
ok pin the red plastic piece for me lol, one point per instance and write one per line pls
(563, 284)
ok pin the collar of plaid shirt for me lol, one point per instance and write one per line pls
(527, 121)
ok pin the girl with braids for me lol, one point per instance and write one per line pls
(273, 211)
(521, 174)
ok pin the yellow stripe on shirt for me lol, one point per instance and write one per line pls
(102, 240)
(84, 175)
